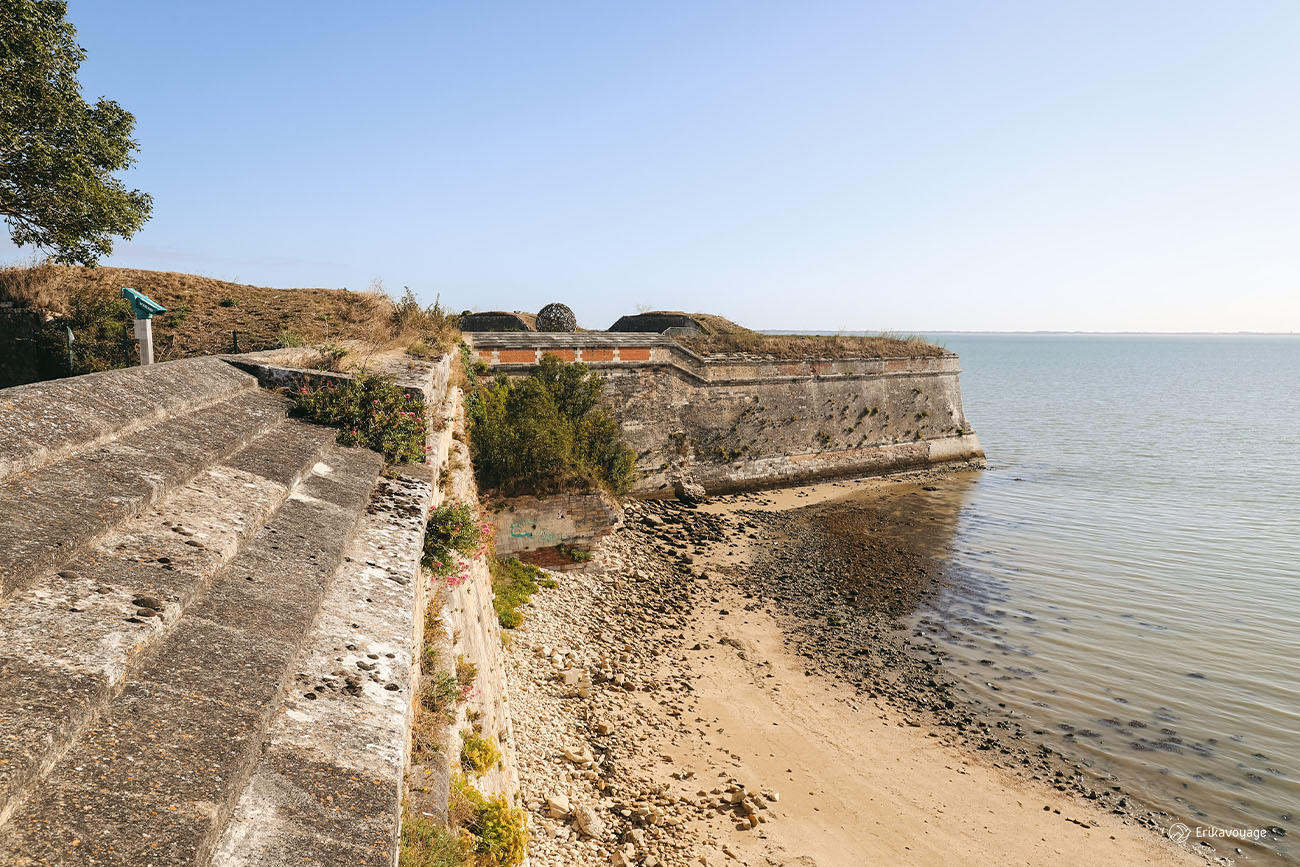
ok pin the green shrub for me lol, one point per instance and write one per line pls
(290, 339)
(499, 830)
(228, 302)
(480, 754)
(513, 583)
(98, 320)
(547, 433)
(425, 843)
(371, 411)
(577, 555)
(453, 527)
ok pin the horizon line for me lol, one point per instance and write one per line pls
(1046, 332)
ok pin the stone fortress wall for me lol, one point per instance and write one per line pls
(741, 422)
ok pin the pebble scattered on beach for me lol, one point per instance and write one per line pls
(600, 704)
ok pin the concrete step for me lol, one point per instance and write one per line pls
(47, 421)
(154, 778)
(68, 641)
(56, 511)
(327, 788)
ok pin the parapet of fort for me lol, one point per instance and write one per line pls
(735, 422)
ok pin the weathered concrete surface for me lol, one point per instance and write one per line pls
(738, 422)
(54, 512)
(45, 421)
(656, 322)
(181, 740)
(328, 785)
(70, 639)
(532, 523)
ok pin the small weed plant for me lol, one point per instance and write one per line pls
(500, 835)
(479, 754)
(331, 355)
(466, 674)
(471, 368)
(425, 843)
(577, 555)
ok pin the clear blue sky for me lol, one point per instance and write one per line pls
(834, 165)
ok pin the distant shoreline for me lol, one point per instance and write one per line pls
(1052, 333)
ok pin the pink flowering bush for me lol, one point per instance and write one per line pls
(455, 528)
(371, 411)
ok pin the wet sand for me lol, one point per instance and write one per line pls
(861, 717)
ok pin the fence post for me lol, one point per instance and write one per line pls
(234, 334)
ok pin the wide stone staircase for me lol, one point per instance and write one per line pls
(207, 618)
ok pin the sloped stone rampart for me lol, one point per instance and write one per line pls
(216, 664)
(45, 421)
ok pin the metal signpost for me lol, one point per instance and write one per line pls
(144, 308)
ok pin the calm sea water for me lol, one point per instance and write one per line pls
(1130, 564)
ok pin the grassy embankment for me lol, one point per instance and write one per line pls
(720, 336)
(205, 316)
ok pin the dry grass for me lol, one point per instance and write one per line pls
(711, 323)
(38, 285)
(433, 328)
(203, 314)
(798, 346)
(720, 336)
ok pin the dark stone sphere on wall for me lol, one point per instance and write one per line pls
(556, 317)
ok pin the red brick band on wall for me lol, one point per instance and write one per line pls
(518, 356)
(724, 369)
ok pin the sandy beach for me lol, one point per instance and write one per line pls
(669, 713)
